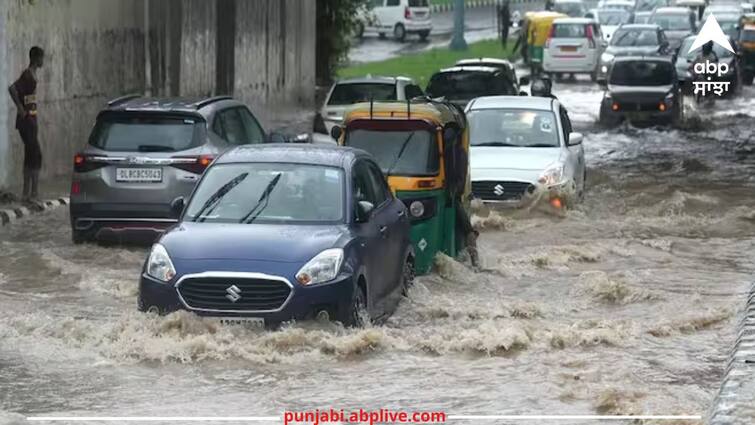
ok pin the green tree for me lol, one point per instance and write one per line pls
(337, 21)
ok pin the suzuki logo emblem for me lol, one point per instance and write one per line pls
(234, 293)
(498, 190)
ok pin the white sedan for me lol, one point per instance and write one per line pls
(523, 150)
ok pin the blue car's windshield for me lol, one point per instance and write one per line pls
(268, 193)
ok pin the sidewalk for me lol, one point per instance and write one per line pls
(53, 193)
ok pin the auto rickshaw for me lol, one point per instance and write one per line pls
(412, 142)
(537, 26)
(747, 50)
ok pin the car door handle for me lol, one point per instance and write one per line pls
(383, 229)
(401, 213)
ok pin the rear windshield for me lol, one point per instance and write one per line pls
(145, 133)
(748, 35)
(672, 21)
(642, 18)
(569, 31)
(614, 17)
(635, 38)
(571, 9)
(407, 152)
(691, 55)
(348, 94)
(418, 3)
(638, 73)
(468, 85)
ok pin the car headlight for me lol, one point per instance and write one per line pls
(322, 268)
(159, 265)
(606, 57)
(553, 175)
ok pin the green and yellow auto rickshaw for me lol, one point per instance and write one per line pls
(416, 145)
(537, 26)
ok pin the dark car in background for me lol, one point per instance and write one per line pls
(633, 40)
(641, 89)
(280, 232)
(676, 22)
(142, 154)
(685, 58)
(460, 84)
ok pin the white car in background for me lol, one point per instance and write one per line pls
(574, 46)
(398, 18)
(522, 150)
(347, 92)
(610, 18)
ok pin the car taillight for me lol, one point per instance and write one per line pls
(192, 164)
(590, 37)
(75, 188)
(551, 31)
(407, 13)
(319, 126)
(615, 106)
(83, 163)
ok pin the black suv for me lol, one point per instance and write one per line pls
(641, 89)
(143, 153)
(460, 84)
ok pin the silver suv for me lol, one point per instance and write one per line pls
(142, 154)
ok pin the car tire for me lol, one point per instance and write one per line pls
(78, 237)
(356, 315)
(407, 276)
(399, 33)
(605, 121)
(423, 35)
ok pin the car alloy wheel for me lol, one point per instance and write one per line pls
(407, 277)
(357, 315)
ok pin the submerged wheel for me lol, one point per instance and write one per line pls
(399, 32)
(78, 237)
(407, 276)
(357, 316)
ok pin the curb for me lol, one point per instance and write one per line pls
(8, 216)
(735, 401)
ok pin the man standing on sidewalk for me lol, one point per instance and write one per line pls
(23, 92)
(504, 22)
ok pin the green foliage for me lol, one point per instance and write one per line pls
(337, 21)
(422, 66)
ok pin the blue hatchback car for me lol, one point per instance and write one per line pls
(280, 232)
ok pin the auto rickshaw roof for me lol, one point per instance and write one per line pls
(438, 113)
(544, 14)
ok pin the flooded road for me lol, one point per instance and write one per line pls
(624, 305)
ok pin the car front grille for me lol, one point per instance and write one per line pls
(221, 293)
(501, 190)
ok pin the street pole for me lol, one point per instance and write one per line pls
(458, 42)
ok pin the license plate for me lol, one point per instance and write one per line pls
(568, 48)
(151, 175)
(246, 322)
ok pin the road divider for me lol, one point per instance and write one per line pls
(9, 215)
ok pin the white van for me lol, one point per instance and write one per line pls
(399, 18)
(573, 46)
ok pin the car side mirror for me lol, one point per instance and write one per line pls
(575, 139)
(524, 81)
(177, 207)
(336, 132)
(364, 208)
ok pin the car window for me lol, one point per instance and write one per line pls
(362, 184)
(642, 73)
(634, 38)
(672, 21)
(393, 2)
(350, 93)
(569, 31)
(748, 35)
(146, 133)
(379, 185)
(233, 127)
(565, 123)
(377, 3)
(614, 17)
(399, 152)
(469, 84)
(418, 3)
(513, 127)
(413, 91)
(254, 133)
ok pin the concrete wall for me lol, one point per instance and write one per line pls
(100, 49)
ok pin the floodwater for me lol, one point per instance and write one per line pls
(624, 305)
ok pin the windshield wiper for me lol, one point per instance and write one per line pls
(214, 200)
(400, 152)
(155, 148)
(259, 207)
(539, 145)
(495, 144)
